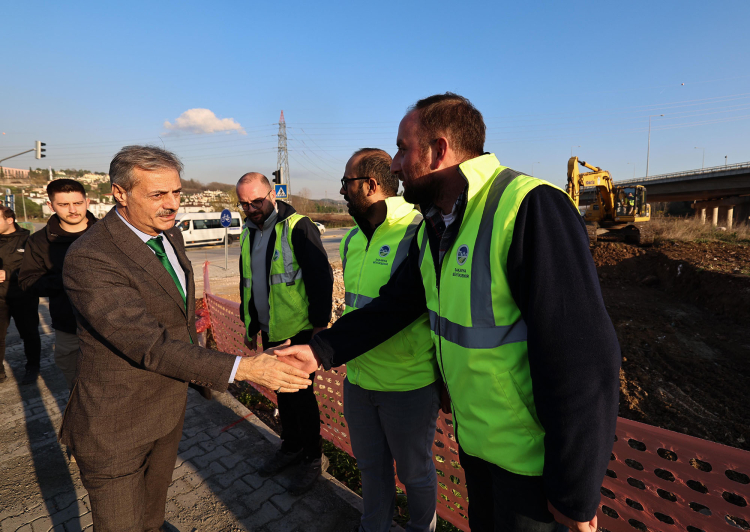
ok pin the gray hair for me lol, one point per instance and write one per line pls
(147, 158)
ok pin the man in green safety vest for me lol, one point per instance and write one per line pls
(392, 392)
(523, 340)
(286, 287)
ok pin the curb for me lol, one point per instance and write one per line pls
(338, 488)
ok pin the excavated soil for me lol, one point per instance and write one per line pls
(682, 314)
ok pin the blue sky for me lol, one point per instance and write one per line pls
(89, 78)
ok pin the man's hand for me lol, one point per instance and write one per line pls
(574, 526)
(252, 345)
(299, 356)
(266, 370)
(2, 276)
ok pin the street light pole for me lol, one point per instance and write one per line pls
(648, 151)
(703, 164)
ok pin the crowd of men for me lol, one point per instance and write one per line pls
(474, 292)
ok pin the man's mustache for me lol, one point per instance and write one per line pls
(166, 212)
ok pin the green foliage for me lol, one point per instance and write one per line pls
(319, 207)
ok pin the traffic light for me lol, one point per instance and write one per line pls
(277, 177)
(39, 149)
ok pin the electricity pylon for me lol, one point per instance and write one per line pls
(282, 161)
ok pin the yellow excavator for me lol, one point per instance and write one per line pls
(616, 213)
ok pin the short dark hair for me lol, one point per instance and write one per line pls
(147, 158)
(376, 163)
(63, 186)
(454, 117)
(7, 212)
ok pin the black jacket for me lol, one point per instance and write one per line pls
(11, 254)
(313, 261)
(574, 355)
(41, 271)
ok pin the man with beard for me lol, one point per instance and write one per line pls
(523, 340)
(42, 267)
(131, 286)
(286, 287)
(392, 392)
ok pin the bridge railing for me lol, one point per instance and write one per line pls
(657, 480)
(709, 170)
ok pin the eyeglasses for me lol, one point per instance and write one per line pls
(345, 181)
(255, 204)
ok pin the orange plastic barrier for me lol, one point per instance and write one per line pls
(657, 480)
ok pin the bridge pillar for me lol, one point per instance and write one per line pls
(703, 215)
(715, 220)
(730, 215)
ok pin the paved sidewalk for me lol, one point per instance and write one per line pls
(215, 486)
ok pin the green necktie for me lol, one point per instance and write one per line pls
(158, 246)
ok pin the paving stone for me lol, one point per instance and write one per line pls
(265, 492)
(206, 459)
(191, 453)
(264, 515)
(285, 501)
(254, 480)
(182, 470)
(186, 443)
(232, 460)
(225, 479)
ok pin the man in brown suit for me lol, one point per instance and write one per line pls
(131, 287)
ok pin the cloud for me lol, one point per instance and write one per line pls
(202, 121)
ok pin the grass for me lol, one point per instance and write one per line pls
(342, 467)
(692, 230)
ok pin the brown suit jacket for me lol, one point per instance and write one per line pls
(136, 359)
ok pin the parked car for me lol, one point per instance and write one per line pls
(201, 228)
(321, 227)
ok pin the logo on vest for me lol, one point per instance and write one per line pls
(462, 254)
(384, 251)
(275, 255)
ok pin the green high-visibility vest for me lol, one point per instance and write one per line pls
(405, 361)
(477, 328)
(287, 297)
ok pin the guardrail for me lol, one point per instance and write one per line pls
(709, 170)
(657, 480)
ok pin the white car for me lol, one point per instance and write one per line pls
(321, 227)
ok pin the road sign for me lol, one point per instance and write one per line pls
(226, 218)
(280, 191)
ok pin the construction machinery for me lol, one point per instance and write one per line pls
(616, 213)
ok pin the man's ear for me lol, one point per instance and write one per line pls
(439, 153)
(121, 197)
(373, 186)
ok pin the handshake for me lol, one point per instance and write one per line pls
(284, 369)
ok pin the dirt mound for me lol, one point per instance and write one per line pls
(682, 321)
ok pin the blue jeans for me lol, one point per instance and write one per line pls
(384, 426)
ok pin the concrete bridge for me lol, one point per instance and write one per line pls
(723, 190)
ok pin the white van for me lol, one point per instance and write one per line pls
(201, 228)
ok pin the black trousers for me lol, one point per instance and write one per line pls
(501, 501)
(298, 411)
(25, 313)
